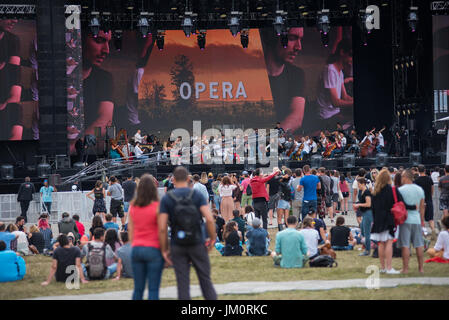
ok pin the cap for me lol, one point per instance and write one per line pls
(245, 173)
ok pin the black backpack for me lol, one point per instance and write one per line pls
(96, 262)
(249, 190)
(186, 221)
(323, 261)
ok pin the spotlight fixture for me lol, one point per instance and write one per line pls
(94, 24)
(278, 22)
(413, 19)
(144, 24)
(284, 39)
(244, 38)
(234, 23)
(118, 37)
(325, 39)
(202, 39)
(160, 39)
(106, 22)
(323, 22)
(187, 24)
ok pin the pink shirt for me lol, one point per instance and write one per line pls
(146, 232)
(245, 184)
(344, 187)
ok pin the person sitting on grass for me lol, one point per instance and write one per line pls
(291, 247)
(79, 225)
(219, 224)
(124, 265)
(319, 226)
(240, 222)
(67, 225)
(12, 265)
(45, 229)
(232, 237)
(441, 248)
(22, 246)
(7, 237)
(109, 224)
(341, 237)
(311, 236)
(258, 240)
(97, 222)
(96, 253)
(65, 257)
(36, 240)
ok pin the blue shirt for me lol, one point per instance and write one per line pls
(412, 195)
(111, 225)
(7, 237)
(309, 183)
(291, 245)
(46, 193)
(257, 241)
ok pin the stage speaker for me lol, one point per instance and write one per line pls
(349, 160)
(54, 180)
(7, 172)
(62, 162)
(415, 158)
(315, 161)
(381, 159)
(43, 170)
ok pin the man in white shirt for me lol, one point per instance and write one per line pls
(137, 137)
(197, 185)
(381, 145)
(138, 152)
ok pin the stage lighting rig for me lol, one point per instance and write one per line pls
(244, 38)
(323, 22)
(284, 39)
(187, 24)
(413, 18)
(144, 24)
(234, 23)
(160, 39)
(94, 23)
(202, 39)
(279, 22)
(118, 39)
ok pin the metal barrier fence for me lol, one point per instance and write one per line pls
(78, 203)
(71, 202)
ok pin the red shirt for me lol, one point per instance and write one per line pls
(80, 227)
(146, 232)
(258, 186)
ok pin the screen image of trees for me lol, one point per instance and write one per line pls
(165, 115)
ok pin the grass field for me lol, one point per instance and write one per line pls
(235, 269)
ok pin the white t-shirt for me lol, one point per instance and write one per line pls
(138, 152)
(226, 191)
(443, 243)
(435, 175)
(381, 140)
(138, 138)
(312, 237)
(343, 142)
(355, 185)
(330, 78)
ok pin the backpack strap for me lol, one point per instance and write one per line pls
(395, 196)
(172, 195)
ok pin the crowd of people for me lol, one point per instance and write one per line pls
(232, 213)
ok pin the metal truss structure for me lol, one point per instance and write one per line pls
(17, 9)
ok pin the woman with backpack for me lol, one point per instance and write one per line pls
(383, 227)
(146, 257)
(283, 207)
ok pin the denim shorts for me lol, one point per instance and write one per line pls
(282, 204)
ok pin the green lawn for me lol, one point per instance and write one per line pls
(235, 269)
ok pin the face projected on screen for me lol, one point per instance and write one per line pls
(96, 49)
(294, 46)
(7, 25)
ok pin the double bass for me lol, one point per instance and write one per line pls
(367, 147)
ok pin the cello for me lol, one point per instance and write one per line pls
(366, 148)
